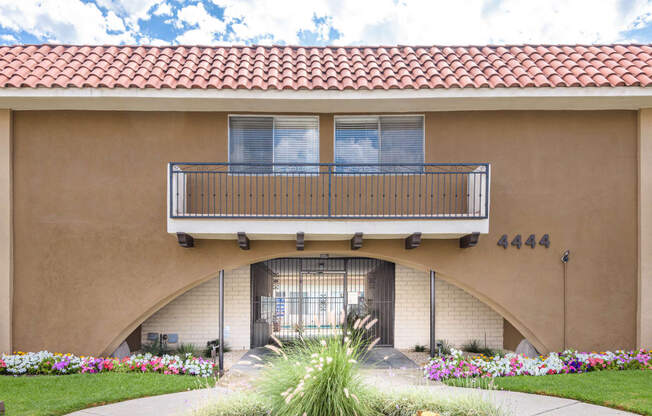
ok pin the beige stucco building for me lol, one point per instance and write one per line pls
(133, 176)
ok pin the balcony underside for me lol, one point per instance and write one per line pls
(333, 229)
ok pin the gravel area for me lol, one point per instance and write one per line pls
(420, 358)
(232, 357)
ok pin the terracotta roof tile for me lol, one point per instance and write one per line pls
(321, 68)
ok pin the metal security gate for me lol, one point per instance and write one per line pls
(308, 296)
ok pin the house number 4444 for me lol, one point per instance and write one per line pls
(517, 241)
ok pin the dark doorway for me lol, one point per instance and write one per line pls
(308, 296)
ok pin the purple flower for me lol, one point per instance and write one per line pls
(61, 365)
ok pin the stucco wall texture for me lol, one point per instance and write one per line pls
(93, 260)
(6, 236)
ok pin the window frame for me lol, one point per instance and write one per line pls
(380, 137)
(273, 116)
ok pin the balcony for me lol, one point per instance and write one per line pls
(328, 201)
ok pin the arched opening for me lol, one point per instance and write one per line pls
(320, 297)
(306, 300)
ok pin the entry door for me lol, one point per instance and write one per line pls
(308, 296)
(370, 291)
(321, 303)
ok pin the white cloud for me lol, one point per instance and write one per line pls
(131, 10)
(436, 21)
(369, 22)
(203, 27)
(153, 41)
(61, 21)
(7, 38)
(163, 9)
(280, 19)
(114, 23)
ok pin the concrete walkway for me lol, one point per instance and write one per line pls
(518, 404)
(377, 358)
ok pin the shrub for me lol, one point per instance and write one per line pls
(238, 404)
(472, 346)
(445, 347)
(419, 348)
(318, 377)
(484, 383)
(475, 347)
(396, 403)
(186, 349)
(156, 348)
(214, 343)
(409, 403)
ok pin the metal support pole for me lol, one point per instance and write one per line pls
(433, 343)
(564, 298)
(330, 176)
(221, 346)
(345, 300)
(564, 260)
(300, 301)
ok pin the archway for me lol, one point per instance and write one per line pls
(421, 275)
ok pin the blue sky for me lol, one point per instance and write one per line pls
(322, 22)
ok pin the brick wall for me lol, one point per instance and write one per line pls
(459, 317)
(194, 315)
(237, 308)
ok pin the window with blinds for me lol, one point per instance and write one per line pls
(260, 141)
(379, 140)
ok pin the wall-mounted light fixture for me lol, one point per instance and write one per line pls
(565, 256)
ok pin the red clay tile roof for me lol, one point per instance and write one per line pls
(321, 68)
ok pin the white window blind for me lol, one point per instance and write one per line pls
(281, 140)
(251, 140)
(356, 141)
(379, 140)
(296, 140)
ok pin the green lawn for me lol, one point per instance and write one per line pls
(58, 395)
(628, 390)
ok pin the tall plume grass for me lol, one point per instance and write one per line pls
(319, 377)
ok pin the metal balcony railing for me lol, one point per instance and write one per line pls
(329, 191)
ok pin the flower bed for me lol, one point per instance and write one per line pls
(45, 362)
(456, 366)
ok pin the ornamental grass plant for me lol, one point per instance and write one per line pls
(319, 377)
(411, 402)
(395, 403)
